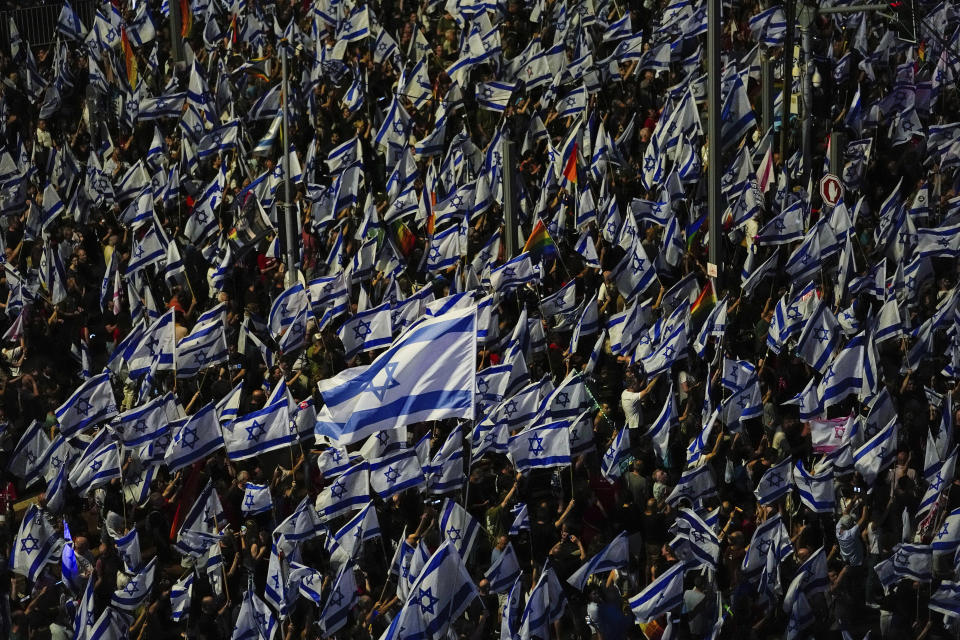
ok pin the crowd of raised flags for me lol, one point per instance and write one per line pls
(786, 429)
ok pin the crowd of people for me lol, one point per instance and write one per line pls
(207, 268)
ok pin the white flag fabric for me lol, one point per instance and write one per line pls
(428, 373)
(662, 595)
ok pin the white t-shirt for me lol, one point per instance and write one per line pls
(632, 408)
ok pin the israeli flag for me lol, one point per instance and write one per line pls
(495, 95)
(156, 348)
(255, 620)
(459, 528)
(819, 338)
(427, 374)
(946, 599)
(333, 461)
(128, 546)
(877, 453)
(545, 605)
(194, 438)
(180, 594)
(913, 561)
(702, 542)
(366, 331)
(256, 499)
(504, 571)
(259, 432)
(143, 424)
(816, 491)
(396, 472)
(771, 535)
(98, 465)
(521, 519)
(442, 592)
(545, 447)
(775, 483)
(347, 492)
(694, 484)
(662, 595)
(619, 450)
(204, 347)
(137, 590)
(615, 555)
(342, 598)
(345, 544)
(92, 402)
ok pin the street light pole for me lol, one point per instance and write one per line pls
(291, 217)
(714, 169)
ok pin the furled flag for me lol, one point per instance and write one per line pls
(913, 561)
(427, 374)
(615, 555)
(521, 519)
(660, 596)
(180, 595)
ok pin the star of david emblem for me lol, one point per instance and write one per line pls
(936, 484)
(261, 619)
(216, 138)
(697, 536)
(900, 558)
(391, 475)
(254, 431)
(398, 127)
(823, 335)
(636, 263)
(668, 351)
(131, 587)
(56, 461)
(509, 409)
(336, 455)
(31, 456)
(944, 242)
(188, 437)
(562, 399)
(742, 402)
(571, 101)
(200, 356)
(774, 480)
(347, 25)
(490, 438)
(388, 383)
(95, 465)
(535, 446)
(508, 272)
(337, 490)
(907, 125)
(483, 385)
(454, 534)
(764, 546)
(336, 598)
(943, 532)
(248, 501)
(435, 254)
(152, 345)
(497, 159)
(32, 546)
(830, 374)
(431, 601)
(649, 164)
(84, 406)
(361, 330)
(780, 225)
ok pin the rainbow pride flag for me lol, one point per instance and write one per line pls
(540, 243)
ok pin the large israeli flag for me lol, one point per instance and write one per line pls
(427, 374)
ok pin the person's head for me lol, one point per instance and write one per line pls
(208, 605)
(502, 542)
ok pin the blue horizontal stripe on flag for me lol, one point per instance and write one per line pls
(262, 447)
(194, 455)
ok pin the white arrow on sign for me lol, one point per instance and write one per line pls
(831, 189)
